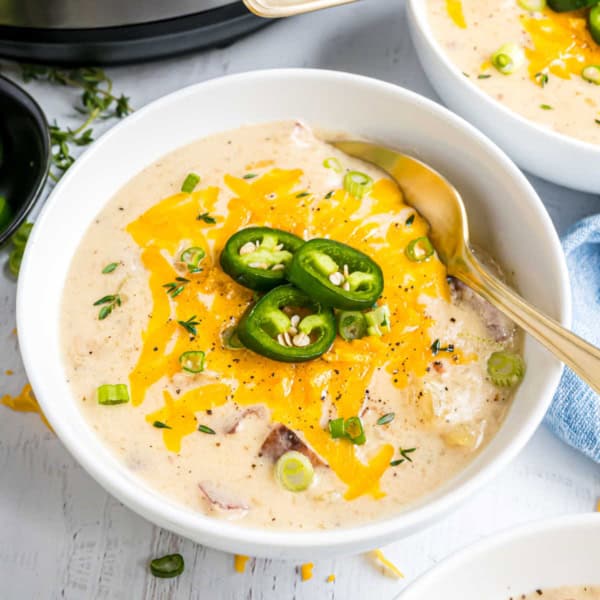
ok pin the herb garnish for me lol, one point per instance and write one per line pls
(190, 325)
(541, 78)
(206, 429)
(410, 220)
(110, 303)
(328, 195)
(546, 107)
(249, 176)
(388, 418)
(404, 453)
(110, 268)
(190, 183)
(437, 347)
(97, 101)
(597, 121)
(161, 425)
(206, 218)
(302, 194)
(174, 288)
(483, 76)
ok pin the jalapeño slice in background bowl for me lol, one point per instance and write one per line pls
(336, 275)
(258, 257)
(287, 325)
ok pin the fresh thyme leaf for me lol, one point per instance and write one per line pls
(97, 101)
(405, 453)
(174, 288)
(546, 107)
(190, 325)
(206, 218)
(161, 425)
(483, 76)
(108, 303)
(410, 220)
(206, 429)
(110, 268)
(435, 347)
(386, 419)
(329, 195)
(250, 176)
(302, 195)
(397, 462)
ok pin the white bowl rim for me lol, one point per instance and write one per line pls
(155, 507)
(497, 540)
(552, 137)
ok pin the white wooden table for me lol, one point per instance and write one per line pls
(62, 536)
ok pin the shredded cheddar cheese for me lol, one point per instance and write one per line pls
(389, 567)
(561, 43)
(239, 562)
(24, 402)
(306, 571)
(455, 11)
(292, 392)
(331, 578)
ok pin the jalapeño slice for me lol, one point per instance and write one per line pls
(288, 326)
(258, 257)
(336, 275)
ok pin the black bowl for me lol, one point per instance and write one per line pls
(26, 152)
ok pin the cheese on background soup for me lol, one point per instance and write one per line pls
(200, 439)
(548, 88)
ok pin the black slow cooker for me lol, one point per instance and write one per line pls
(117, 31)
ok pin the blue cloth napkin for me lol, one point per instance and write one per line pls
(575, 412)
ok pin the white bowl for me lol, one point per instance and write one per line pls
(508, 218)
(537, 149)
(548, 554)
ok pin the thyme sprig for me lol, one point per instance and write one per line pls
(108, 303)
(174, 288)
(97, 101)
(190, 325)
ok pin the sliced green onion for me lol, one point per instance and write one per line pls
(109, 394)
(14, 261)
(167, 566)
(352, 325)
(532, 5)
(337, 428)
(505, 369)
(355, 431)
(334, 164)
(20, 237)
(508, 58)
(386, 419)
(419, 250)
(192, 361)
(357, 184)
(591, 73)
(191, 257)
(378, 321)
(294, 471)
(5, 213)
(190, 182)
(110, 268)
(206, 429)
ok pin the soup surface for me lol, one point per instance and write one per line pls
(548, 88)
(587, 592)
(421, 389)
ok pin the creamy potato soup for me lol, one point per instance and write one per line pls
(347, 407)
(584, 592)
(542, 64)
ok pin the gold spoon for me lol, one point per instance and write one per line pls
(438, 201)
(273, 9)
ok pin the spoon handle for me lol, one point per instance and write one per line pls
(583, 358)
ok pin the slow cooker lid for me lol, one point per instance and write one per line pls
(91, 14)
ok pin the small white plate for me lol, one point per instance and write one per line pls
(547, 554)
(537, 149)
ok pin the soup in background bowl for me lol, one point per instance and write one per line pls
(505, 212)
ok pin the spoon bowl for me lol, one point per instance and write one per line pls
(440, 203)
(24, 153)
